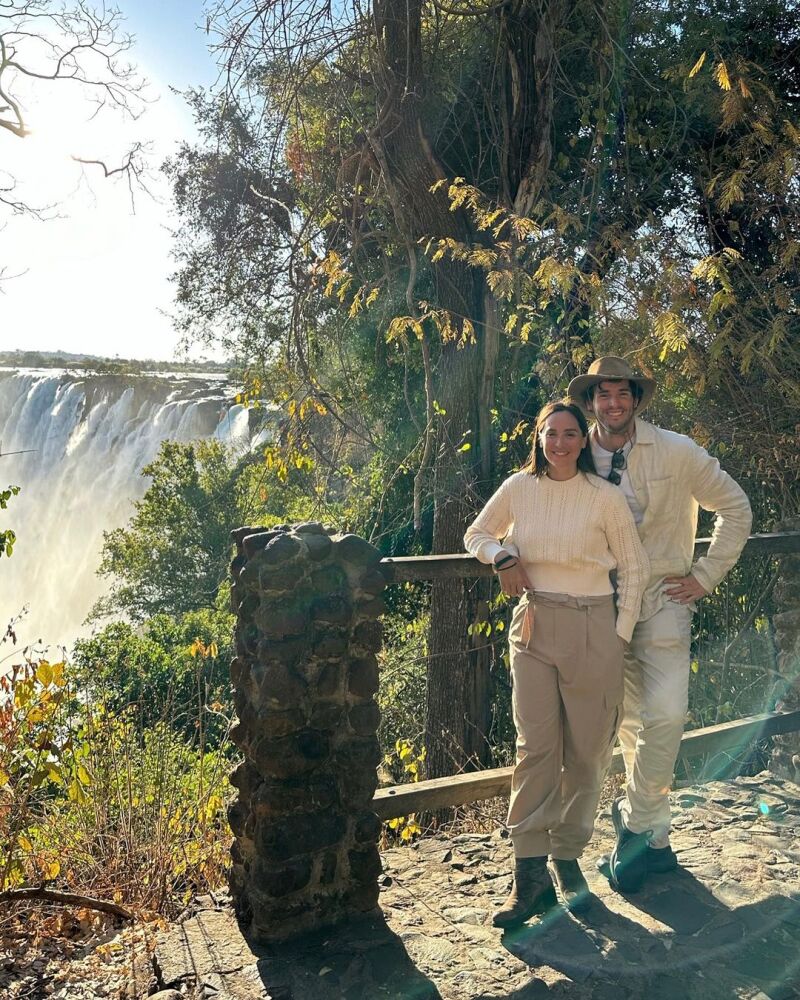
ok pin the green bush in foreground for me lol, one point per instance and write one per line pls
(95, 802)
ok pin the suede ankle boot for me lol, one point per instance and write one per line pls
(531, 893)
(571, 886)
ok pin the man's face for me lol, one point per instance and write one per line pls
(614, 406)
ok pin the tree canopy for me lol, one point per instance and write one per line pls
(414, 222)
(173, 555)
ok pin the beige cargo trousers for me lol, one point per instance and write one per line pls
(567, 688)
(657, 664)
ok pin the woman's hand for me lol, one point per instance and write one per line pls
(514, 580)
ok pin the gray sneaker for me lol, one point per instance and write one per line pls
(628, 862)
(661, 860)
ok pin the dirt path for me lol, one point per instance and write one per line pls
(727, 925)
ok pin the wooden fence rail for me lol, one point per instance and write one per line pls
(473, 786)
(400, 569)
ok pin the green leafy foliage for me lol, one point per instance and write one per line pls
(7, 537)
(429, 269)
(36, 755)
(401, 695)
(94, 799)
(169, 669)
(173, 556)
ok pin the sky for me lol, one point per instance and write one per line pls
(95, 278)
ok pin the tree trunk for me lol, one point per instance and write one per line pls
(459, 702)
(458, 688)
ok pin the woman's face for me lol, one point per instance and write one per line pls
(562, 441)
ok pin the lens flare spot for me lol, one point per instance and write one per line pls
(763, 808)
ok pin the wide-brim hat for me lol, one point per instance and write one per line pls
(609, 369)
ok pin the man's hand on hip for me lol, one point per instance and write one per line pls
(684, 589)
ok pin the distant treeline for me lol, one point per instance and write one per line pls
(114, 366)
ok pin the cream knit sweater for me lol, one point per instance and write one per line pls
(569, 536)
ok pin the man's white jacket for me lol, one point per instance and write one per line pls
(672, 477)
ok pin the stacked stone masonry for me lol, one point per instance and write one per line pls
(305, 674)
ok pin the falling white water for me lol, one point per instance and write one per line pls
(86, 439)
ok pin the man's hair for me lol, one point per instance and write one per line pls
(636, 389)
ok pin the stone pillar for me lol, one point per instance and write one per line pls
(305, 851)
(785, 758)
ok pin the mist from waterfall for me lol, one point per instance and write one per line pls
(85, 440)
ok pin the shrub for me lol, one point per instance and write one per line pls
(93, 800)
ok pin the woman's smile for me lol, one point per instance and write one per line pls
(562, 442)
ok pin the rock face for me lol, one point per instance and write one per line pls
(305, 851)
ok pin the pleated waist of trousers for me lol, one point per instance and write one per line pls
(532, 599)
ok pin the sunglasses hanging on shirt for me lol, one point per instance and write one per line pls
(618, 466)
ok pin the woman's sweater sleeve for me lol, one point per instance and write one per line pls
(633, 566)
(482, 538)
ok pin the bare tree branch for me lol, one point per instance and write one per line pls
(44, 41)
(65, 898)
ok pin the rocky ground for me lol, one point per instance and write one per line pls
(727, 925)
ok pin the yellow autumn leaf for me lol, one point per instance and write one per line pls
(52, 870)
(25, 844)
(83, 775)
(697, 66)
(75, 792)
(4, 777)
(721, 75)
(44, 673)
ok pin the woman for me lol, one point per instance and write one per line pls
(554, 532)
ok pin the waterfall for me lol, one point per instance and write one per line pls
(85, 440)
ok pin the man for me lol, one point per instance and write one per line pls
(665, 477)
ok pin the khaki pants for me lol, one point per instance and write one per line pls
(656, 699)
(567, 676)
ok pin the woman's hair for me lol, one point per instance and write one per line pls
(537, 463)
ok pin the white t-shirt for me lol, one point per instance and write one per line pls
(602, 462)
